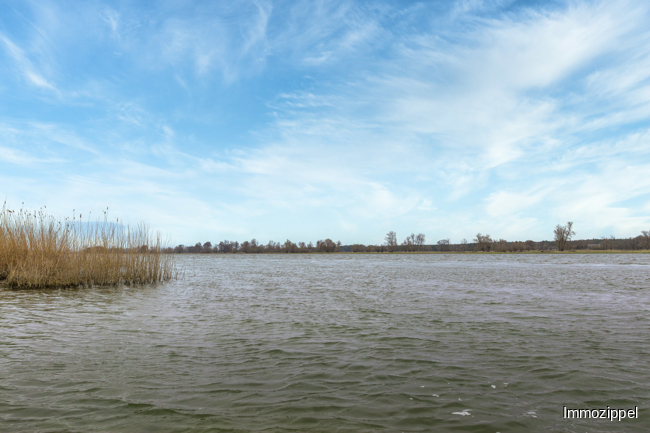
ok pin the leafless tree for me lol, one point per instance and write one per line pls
(607, 243)
(604, 243)
(443, 244)
(391, 241)
(646, 238)
(563, 234)
(501, 245)
(326, 246)
(409, 242)
(289, 247)
(419, 240)
(484, 242)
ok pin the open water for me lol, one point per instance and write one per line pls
(336, 343)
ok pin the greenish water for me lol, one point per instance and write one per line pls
(340, 343)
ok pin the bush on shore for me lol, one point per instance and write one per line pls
(38, 250)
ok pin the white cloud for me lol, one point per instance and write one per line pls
(230, 39)
(25, 66)
(509, 203)
(15, 156)
(383, 118)
(112, 19)
(40, 138)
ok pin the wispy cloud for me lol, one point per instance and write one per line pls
(15, 156)
(24, 66)
(336, 118)
(112, 19)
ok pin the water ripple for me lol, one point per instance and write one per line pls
(335, 343)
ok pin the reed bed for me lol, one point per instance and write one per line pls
(38, 250)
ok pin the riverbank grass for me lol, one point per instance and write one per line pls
(38, 250)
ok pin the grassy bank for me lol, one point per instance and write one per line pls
(38, 250)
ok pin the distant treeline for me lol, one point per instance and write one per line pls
(414, 243)
(253, 247)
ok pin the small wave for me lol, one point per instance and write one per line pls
(462, 413)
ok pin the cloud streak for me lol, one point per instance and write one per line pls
(24, 66)
(339, 118)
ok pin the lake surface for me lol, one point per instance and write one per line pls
(336, 343)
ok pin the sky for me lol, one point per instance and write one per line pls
(306, 120)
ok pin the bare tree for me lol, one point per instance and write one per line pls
(607, 243)
(443, 244)
(326, 246)
(501, 245)
(419, 240)
(563, 234)
(289, 247)
(391, 241)
(409, 242)
(604, 243)
(646, 238)
(484, 242)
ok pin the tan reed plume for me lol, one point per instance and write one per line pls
(38, 250)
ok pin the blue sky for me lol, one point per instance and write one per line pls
(305, 120)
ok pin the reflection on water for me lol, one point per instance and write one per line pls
(329, 343)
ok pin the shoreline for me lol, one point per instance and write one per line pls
(586, 252)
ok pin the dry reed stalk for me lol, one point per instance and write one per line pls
(38, 250)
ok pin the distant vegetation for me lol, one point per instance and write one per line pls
(253, 247)
(563, 234)
(416, 243)
(38, 250)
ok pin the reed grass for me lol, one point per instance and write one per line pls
(38, 250)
